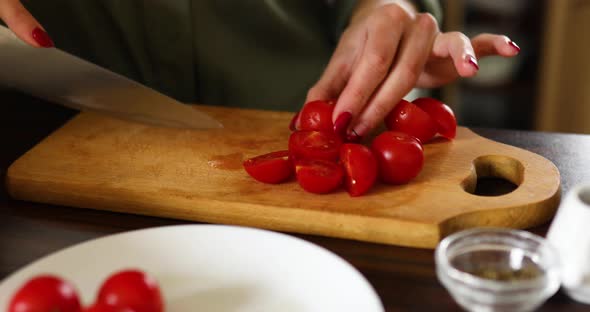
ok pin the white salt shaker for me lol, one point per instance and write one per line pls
(569, 234)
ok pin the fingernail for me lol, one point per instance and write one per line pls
(42, 38)
(293, 121)
(471, 59)
(353, 137)
(514, 45)
(341, 124)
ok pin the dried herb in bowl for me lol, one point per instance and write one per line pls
(508, 274)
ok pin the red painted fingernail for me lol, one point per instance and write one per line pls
(42, 38)
(514, 45)
(293, 121)
(342, 123)
(472, 61)
(353, 137)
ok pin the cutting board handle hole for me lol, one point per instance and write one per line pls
(494, 175)
(584, 195)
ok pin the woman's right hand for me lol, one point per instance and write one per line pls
(23, 24)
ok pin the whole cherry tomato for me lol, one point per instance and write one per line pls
(318, 176)
(400, 156)
(441, 113)
(131, 289)
(101, 307)
(360, 168)
(275, 167)
(45, 293)
(411, 119)
(317, 116)
(314, 145)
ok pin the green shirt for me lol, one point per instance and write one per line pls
(247, 53)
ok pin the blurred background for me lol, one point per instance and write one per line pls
(545, 88)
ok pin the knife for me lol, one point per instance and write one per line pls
(62, 78)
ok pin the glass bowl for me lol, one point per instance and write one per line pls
(493, 269)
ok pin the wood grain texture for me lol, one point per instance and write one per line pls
(103, 163)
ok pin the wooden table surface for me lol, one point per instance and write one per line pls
(403, 277)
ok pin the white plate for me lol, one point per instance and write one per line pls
(214, 268)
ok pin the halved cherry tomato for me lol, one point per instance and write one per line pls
(400, 156)
(275, 167)
(441, 113)
(133, 290)
(411, 119)
(45, 293)
(317, 116)
(314, 145)
(318, 176)
(360, 168)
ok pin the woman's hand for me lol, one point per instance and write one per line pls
(387, 50)
(23, 24)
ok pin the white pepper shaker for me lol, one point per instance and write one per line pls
(569, 233)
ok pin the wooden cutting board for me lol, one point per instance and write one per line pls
(98, 162)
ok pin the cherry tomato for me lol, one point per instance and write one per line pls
(411, 119)
(314, 145)
(441, 113)
(318, 176)
(45, 293)
(400, 156)
(317, 116)
(275, 167)
(360, 168)
(101, 307)
(131, 289)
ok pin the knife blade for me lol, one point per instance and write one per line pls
(65, 79)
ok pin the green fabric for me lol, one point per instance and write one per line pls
(431, 6)
(247, 53)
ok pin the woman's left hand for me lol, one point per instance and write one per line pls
(387, 51)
